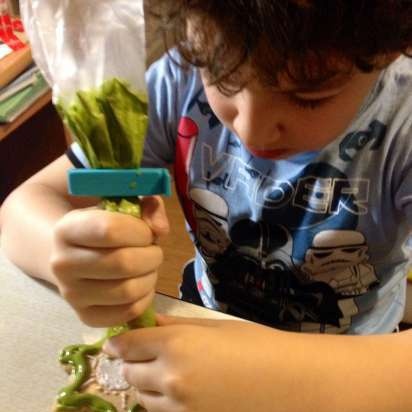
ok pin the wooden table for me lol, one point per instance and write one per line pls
(35, 323)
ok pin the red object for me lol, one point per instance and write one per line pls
(7, 28)
(17, 25)
(186, 139)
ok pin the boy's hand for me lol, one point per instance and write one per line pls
(198, 365)
(105, 263)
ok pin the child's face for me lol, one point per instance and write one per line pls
(278, 123)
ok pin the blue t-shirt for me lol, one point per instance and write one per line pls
(315, 242)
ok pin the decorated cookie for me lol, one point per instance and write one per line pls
(96, 381)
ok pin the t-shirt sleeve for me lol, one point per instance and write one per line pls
(402, 188)
(77, 156)
(166, 84)
(403, 197)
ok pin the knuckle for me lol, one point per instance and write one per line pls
(175, 345)
(65, 224)
(90, 318)
(153, 276)
(137, 308)
(59, 264)
(104, 228)
(59, 230)
(122, 350)
(159, 255)
(70, 295)
(130, 293)
(151, 258)
(174, 385)
(124, 263)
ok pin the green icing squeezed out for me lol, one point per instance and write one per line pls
(110, 125)
(69, 398)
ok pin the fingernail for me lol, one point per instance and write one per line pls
(109, 349)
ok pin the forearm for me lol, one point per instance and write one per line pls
(27, 219)
(318, 373)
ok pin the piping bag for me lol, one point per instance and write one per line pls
(92, 54)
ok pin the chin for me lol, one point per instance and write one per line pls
(273, 154)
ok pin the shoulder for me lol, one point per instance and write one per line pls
(399, 101)
(387, 114)
(396, 85)
(171, 69)
(171, 84)
(400, 72)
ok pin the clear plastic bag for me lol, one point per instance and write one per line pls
(78, 44)
(92, 53)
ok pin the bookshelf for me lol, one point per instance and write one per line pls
(7, 128)
(34, 139)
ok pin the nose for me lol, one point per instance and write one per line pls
(258, 121)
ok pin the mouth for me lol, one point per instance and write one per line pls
(270, 154)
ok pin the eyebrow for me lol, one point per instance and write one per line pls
(334, 82)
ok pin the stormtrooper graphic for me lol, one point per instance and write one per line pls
(210, 212)
(339, 258)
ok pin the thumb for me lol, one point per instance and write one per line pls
(154, 214)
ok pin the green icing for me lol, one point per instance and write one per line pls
(128, 206)
(146, 320)
(109, 123)
(69, 398)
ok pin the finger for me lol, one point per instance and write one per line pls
(139, 345)
(166, 320)
(103, 229)
(155, 402)
(106, 316)
(106, 264)
(110, 292)
(154, 214)
(145, 376)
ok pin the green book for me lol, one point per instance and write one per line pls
(16, 104)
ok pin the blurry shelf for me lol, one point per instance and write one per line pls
(7, 128)
(10, 67)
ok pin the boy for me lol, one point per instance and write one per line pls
(289, 131)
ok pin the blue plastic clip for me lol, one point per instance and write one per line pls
(119, 182)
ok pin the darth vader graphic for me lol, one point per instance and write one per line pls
(251, 269)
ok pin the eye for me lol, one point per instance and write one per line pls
(309, 104)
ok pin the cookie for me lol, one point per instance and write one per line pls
(96, 383)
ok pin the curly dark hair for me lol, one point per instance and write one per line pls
(302, 38)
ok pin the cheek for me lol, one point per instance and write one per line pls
(317, 128)
(223, 108)
(332, 120)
